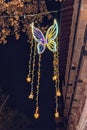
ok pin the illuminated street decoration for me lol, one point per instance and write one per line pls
(48, 42)
(40, 43)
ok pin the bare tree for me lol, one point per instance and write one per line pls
(12, 119)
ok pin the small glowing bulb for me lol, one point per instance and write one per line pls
(56, 114)
(31, 96)
(28, 79)
(55, 77)
(58, 93)
(36, 114)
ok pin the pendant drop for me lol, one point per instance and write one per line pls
(28, 79)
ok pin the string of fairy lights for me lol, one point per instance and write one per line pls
(40, 43)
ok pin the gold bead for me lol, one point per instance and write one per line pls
(57, 62)
(54, 62)
(37, 86)
(38, 73)
(56, 114)
(38, 64)
(31, 96)
(55, 77)
(36, 114)
(28, 79)
(58, 93)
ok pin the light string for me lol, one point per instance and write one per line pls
(51, 36)
(44, 13)
(31, 96)
(57, 70)
(56, 79)
(30, 62)
(30, 57)
(42, 42)
(36, 114)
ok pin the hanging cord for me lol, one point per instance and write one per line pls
(31, 96)
(28, 79)
(58, 93)
(44, 13)
(56, 79)
(36, 114)
(30, 61)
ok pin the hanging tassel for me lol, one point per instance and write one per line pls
(56, 102)
(31, 96)
(58, 93)
(36, 114)
(55, 78)
(56, 114)
(28, 79)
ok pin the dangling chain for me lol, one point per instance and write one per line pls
(36, 114)
(31, 96)
(56, 80)
(28, 79)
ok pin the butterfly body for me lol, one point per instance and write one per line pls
(43, 41)
(47, 41)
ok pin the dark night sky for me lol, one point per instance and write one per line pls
(13, 71)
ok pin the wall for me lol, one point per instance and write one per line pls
(75, 87)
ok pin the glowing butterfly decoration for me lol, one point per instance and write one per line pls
(49, 40)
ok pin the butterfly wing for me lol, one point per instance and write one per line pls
(37, 34)
(40, 48)
(52, 32)
(52, 46)
(51, 35)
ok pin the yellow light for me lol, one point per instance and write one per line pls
(55, 77)
(56, 114)
(31, 96)
(28, 79)
(36, 114)
(58, 93)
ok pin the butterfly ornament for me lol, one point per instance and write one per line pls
(48, 41)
